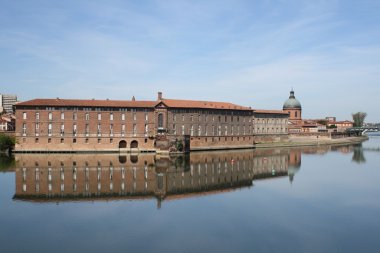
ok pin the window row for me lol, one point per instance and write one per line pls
(213, 118)
(212, 130)
(74, 116)
(74, 129)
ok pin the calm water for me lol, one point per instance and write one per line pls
(324, 199)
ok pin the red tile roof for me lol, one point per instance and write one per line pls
(270, 111)
(176, 103)
(340, 122)
(173, 103)
(88, 103)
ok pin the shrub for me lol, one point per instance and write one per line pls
(6, 142)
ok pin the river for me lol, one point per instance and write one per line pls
(311, 199)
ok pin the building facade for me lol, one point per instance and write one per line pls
(45, 125)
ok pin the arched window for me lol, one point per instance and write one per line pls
(160, 120)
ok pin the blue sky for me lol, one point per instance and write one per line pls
(246, 52)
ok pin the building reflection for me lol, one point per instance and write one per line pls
(61, 177)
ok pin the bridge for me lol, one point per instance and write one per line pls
(362, 130)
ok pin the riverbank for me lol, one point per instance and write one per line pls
(312, 141)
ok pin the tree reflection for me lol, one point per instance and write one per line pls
(7, 162)
(358, 155)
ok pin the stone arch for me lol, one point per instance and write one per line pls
(134, 144)
(122, 144)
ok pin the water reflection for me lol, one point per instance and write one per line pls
(358, 155)
(62, 177)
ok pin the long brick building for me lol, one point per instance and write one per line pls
(67, 125)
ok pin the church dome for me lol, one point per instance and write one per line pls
(292, 102)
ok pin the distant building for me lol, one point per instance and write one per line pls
(7, 102)
(331, 119)
(7, 122)
(341, 126)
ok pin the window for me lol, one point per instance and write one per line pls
(199, 130)
(192, 130)
(62, 129)
(37, 127)
(75, 117)
(99, 116)
(87, 116)
(37, 115)
(146, 116)
(62, 140)
(62, 115)
(50, 116)
(160, 120)
(74, 140)
(111, 129)
(99, 129)
(134, 129)
(134, 116)
(111, 116)
(87, 129)
(24, 115)
(146, 129)
(50, 129)
(174, 129)
(49, 140)
(183, 129)
(75, 129)
(122, 130)
(123, 116)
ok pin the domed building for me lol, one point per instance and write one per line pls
(294, 108)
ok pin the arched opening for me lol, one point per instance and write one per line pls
(122, 144)
(134, 144)
(122, 159)
(134, 159)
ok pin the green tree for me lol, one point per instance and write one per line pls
(6, 142)
(322, 122)
(358, 118)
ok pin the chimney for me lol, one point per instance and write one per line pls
(159, 95)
